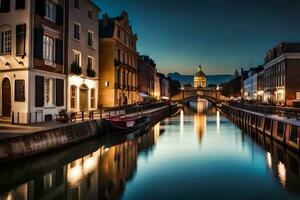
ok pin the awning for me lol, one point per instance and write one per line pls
(144, 95)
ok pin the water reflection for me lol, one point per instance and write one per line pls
(130, 168)
(101, 174)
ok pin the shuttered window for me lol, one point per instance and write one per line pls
(20, 4)
(38, 42)
(20, 39)
(59, 15)
(5, 41)
(58, 51)
(4, 6)
(59, 92)
(48, 49)
(39, 91)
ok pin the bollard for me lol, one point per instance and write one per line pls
(82, 115)
(12, 117)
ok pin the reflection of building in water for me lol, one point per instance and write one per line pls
(285, 165)
(200, 119)
(117, 164)
(98, 175)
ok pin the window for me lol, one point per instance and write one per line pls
(77, 58)
(76, 4)
(90, 14)
(76, 31)
(50, 10)
(5, 41)
(73, 96)
(90, 38)
(119, 33)
(49, 92)
(93, 98)
(119, 54)
(48, 49)
(90, 63)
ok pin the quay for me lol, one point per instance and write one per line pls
(25, 142)
(282, 129)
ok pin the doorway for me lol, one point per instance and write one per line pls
(83, 98)
(6, 98)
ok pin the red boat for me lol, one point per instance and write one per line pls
(120, 124)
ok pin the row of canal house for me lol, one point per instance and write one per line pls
(277, 81)
(57, 55)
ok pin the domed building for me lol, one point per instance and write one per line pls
(200, 78)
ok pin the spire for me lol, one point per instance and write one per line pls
(199, 68)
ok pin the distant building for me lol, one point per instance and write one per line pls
(157, 86)
(164, 86)
(260, 85)
(250, 84)
(117, 61)
(281, 74)
(146, 76)
(200, 78)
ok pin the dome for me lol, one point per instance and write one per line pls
(200, 73)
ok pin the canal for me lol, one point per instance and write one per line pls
(198, 154)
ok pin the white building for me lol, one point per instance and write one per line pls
(32, 77)
(250, 86)
(82, 55)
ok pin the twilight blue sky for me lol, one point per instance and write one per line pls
(222, 35)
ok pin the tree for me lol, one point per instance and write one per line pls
(174, 87)
(232, 88)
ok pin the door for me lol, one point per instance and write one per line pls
(83, 99)
(6, 98)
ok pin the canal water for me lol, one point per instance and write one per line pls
(198, 154)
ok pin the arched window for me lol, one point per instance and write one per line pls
(93, 98)
(73, 96)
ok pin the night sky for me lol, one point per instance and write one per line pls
(222, 35)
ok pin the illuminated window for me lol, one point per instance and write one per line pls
(48, 49)
(73, 96)
(93, 98)
(49, 92)
(298, 95)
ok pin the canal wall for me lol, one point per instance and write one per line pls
(12, 149)
(283, 130)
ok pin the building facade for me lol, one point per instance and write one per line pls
(146, 75)
(82, 55)
(251, 84)
(260, 85)
(200, 78)
(164, 85)
(117, 61)
(281, 74)
(32, 75)
(157, 86)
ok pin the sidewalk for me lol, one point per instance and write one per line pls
(8, 130)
